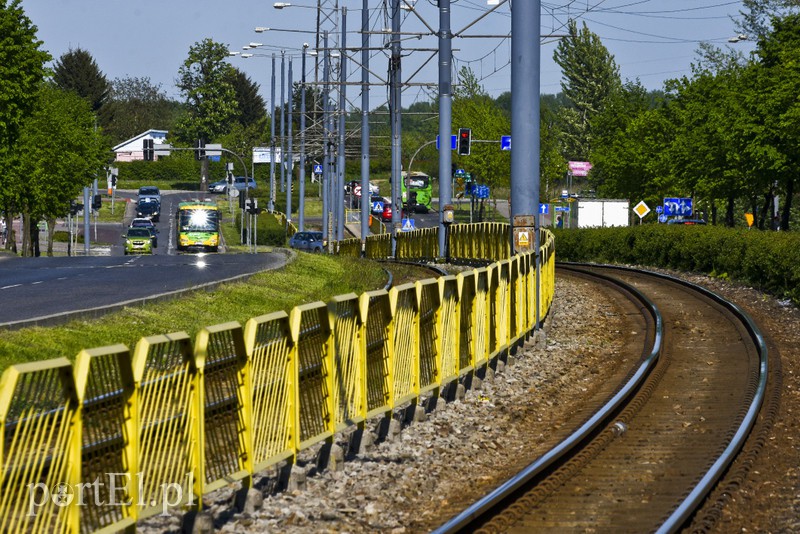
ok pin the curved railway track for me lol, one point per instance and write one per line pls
(647, 459)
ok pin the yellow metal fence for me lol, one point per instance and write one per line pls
(121, 435)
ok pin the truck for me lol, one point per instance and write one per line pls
(593, 213)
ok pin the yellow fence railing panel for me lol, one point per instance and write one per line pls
(348, 367)
(40, 448)
(405, 369)
(105, 386)
(449, 327)
(315, 373)
(273, 385)
(430, 341)
(467, 342)
(169, 456)
(221, 357)
(379, 347)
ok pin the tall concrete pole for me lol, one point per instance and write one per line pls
(272, 143)
(301, 208)
(394, 112)
(326, 163)
(365, 196)
(283, 122)
(445, 119)
(525, 88)
(340, 174)
(290, 163)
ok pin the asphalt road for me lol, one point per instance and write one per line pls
(37, 289)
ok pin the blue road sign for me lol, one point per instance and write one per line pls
(505, 142)
(452, 142)
(662, 218)
(544, 209)
(481, 191)
(317, 169)
(377, 206)
(408, 225)
(659, 209)
(460, 172)
(678, 207)
(562, 208)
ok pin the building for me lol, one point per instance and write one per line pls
(133, 148)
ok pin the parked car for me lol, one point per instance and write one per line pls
(148, 209)
(686, 221)
(138, 241)
(149, 192)
(308, 241)
(220, 186)
(141, 222)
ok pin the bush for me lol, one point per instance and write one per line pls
(769, 261)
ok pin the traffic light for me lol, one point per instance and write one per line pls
(97, 203)
(200, 145)
(464, 141)
(148, 148)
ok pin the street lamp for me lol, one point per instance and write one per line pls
(261, 29)
(281, 5)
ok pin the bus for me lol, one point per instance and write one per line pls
(418, 188)
(198, 226)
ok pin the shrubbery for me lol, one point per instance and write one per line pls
(769, 261)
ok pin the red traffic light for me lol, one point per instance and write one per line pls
(464, 141)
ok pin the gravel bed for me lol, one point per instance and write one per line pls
(416, 479)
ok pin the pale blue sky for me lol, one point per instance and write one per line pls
(651, 39)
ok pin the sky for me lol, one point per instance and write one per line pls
(651, 40)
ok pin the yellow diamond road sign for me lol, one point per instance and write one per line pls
(641, 209)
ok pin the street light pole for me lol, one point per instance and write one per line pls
(289, 156)
(340, 166)
(283, 123)
(394, 111)
(272, 143)
(365, 195)
(302, 206)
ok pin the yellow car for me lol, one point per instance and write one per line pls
(138, 241)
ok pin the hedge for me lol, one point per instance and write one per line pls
(769, 261)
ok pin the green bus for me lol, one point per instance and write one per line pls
(417, 191)
(198, 226)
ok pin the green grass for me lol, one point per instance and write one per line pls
(309, 278)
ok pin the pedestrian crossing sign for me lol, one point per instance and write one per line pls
(408, 225)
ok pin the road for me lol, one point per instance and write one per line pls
(43, 289)
(35, 288)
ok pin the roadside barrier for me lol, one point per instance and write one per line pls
(120, 436)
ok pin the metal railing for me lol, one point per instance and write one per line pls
(122, 435)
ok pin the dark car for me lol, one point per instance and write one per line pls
(686, 221)
(148, 209)
(308, 241)
(150, 192)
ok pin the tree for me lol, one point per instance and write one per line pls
(252, 110)
(59, 151)
(590, 77)
(211, 108)
(204, 79)
(135, 105)
(758, 14)
(474, 108)
(77, 71)
(22, 68)
(779, 109)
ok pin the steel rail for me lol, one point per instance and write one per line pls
(475, 512)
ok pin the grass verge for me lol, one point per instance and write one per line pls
(309, 278)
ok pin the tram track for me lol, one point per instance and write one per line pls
(647, 459)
